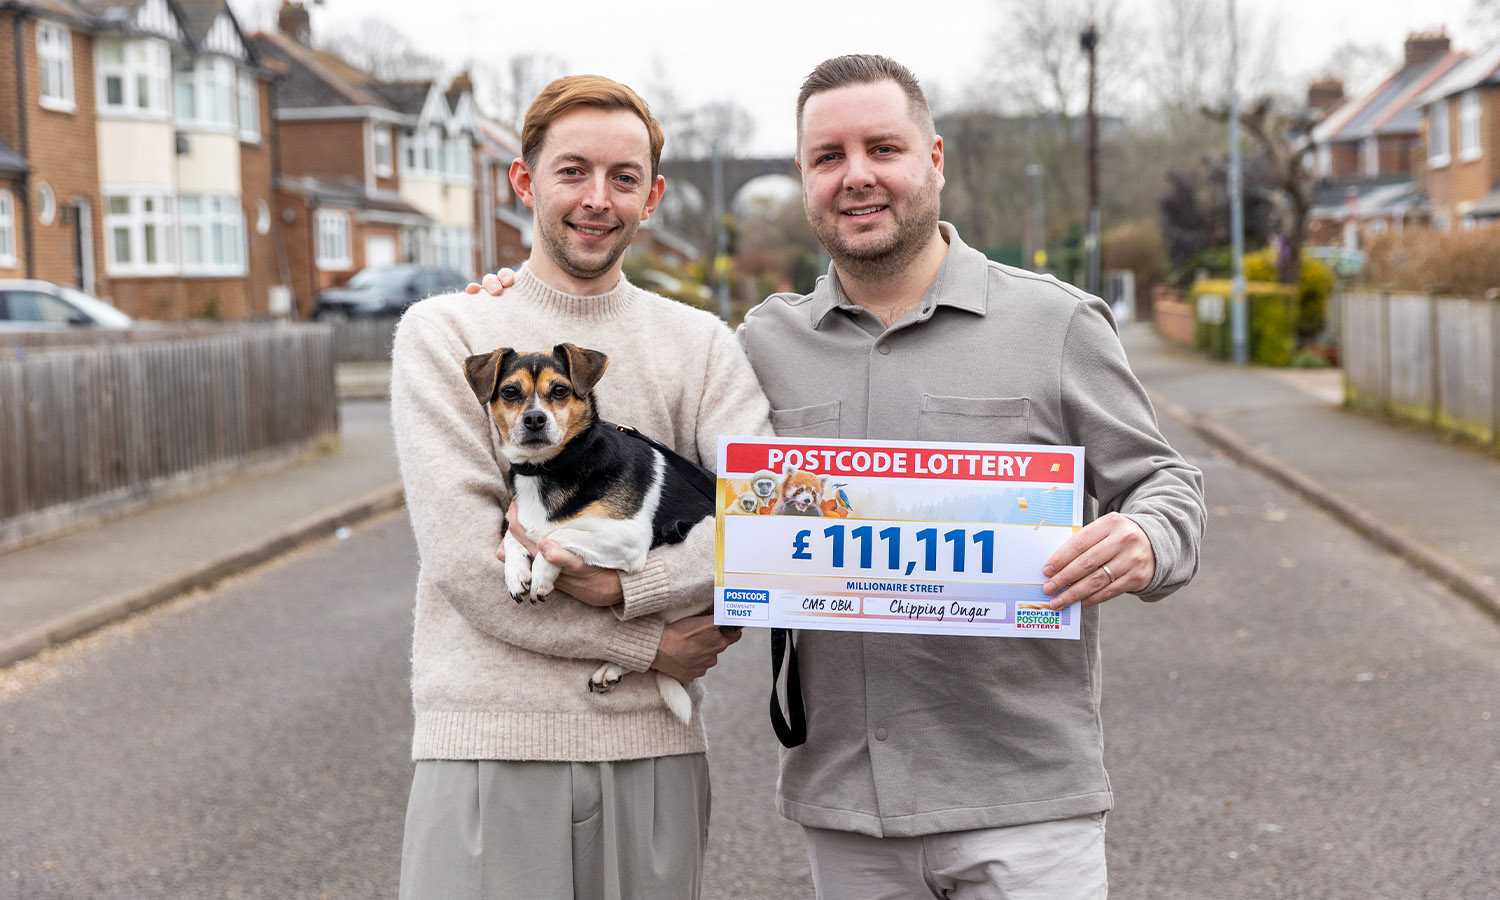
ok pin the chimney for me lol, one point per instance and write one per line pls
(1325, 94)
(1425, 46)
(463, 83)
(294, 21)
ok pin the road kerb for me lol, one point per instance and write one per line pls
(1461, 579)
(80, 622)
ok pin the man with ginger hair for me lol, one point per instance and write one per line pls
(527, 784)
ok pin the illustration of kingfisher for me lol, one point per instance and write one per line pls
(839, 504)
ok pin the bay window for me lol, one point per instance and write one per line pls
(142, 232)
(213, 234)
(132, 77)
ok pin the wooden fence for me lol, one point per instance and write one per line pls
(87, 431)
(363, 340)
(1425, 358)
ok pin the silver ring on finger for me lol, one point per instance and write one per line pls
(1109, 573)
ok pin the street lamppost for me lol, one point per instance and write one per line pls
(721, 233)
(1239, 330)
(1036, 226)
(1089, 40)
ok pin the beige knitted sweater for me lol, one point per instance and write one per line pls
(493, 679)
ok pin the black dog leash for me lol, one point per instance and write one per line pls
(790, 727)
(791, 733)
(702, 480)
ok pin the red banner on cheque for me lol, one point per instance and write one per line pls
(976, 464)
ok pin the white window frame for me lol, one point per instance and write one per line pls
(209, 85)
(54, 57)
(1469, 146)
(460, 160)
(137, 222)
(247, 110)
(145, 66)
(211, 229)
(8, 250)
(334, 240)
(452, 247)
(424, 154)
(1437, 134)
(1369, 156)
(417, 244)
(408, 153)
(385, 152)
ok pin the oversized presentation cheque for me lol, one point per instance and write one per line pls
(893, 536)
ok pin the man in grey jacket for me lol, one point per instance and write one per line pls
(956, 767)
(952, 766)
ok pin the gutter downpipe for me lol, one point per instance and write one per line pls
(28, 228)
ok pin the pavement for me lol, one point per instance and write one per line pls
(1430, 500)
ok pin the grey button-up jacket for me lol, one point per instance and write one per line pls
(911, 735)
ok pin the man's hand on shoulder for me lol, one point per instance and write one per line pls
(690, 647)
(495, 284)
(588, 584)
(1108, 557)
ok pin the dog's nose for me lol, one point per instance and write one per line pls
(534, 421)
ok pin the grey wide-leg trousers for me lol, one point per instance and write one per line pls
(488, 830)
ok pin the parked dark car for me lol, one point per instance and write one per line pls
(27, 305)
(386, 290)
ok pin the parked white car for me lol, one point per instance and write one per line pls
(42, 306)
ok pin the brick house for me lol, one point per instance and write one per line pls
(505, 227)
(1461, 140)
(371, 172)
(49, 183)
(144, 128)
(1364, 152)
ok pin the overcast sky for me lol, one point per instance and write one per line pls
(759, 57)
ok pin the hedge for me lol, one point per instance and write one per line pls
(1272, 321)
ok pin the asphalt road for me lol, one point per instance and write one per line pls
(1309, 719)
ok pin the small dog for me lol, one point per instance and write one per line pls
(801, 493)
(601, 493)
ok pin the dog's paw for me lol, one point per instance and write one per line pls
(605, 677)
(543, 579)
(518, 577)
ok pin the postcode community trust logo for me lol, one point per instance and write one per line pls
(1039, 616)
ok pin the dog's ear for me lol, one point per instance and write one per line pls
(483, 371)
(585, 367)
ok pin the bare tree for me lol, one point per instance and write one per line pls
(1485, 15)
(1184, 58)
(698, 128)
(1359, 66)
(379, 48)
(507, 89)
(1279, 135)
(256, 15)
(1038, 66)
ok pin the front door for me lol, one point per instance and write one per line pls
(83, 246)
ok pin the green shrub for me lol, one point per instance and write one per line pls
(1313, 288)
(1272, 321)
(1313, 291)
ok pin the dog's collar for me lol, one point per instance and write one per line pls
(570, 456)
